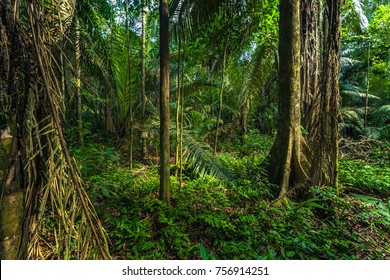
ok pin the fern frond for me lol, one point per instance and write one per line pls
(381, 115)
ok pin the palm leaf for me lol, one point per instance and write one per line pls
(200, 158)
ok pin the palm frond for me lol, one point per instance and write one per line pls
(200, 158)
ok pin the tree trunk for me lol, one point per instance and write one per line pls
(325, 145)
(143, 82)
(128, 85)
(368, 86)
(78, 82)
(164, 103)
(244, 110)
(315, 105)
(12, 231)
(310, 60)
(286, 153)
(11, 196)
(178, 107)
(182, 116)
(220, 100)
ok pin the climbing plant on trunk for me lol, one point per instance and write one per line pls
(51, 189)
(308, 95)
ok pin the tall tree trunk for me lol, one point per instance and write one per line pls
(78, 81)
(325, 146)
(178, 107)
(368, 86)
(315, 104)
(12, 231)
(164, 103)
(143, 81)
(128, 85)
(182, 116)
(220, 100)
(286, 153)
(310, 60)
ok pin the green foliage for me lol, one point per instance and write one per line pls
(95, 158)
(365, 71)
(360, 176)
(214, 219)
(200, 159)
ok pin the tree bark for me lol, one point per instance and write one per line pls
(220, 100)
(178, 106)
(182, 115)
(286, 153)
(368, 86)
(143, 81)
(12, 207)
(310, 59)
(325, 145)
(78, 82)
(164, 103)
(128, 85)
(11, 196)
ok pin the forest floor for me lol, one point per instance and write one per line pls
(212, 218)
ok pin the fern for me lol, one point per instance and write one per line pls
(381, 115)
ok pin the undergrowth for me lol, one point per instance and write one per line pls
(212, 218)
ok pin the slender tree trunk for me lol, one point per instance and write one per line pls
(164, 103)
(143, 82)
(220, 100)
(128, 85)
(244, 110)
(109, 126)
(182, 116)
(63, 87)
(368, 85)
(78, 82)
(178, 108)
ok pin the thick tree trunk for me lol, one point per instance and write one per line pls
(12, 242)
(310, 60)
(286, 154)
(315, 104)
(325, 145)
(11, 195)
(164, 103)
